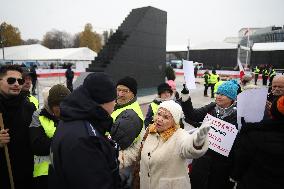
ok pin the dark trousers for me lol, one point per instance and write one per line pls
(212, 85)
(255, 79)
(41, 182)
(270, 80)
(69, 84)
(264, 80)
(34, 86)
(206, 86)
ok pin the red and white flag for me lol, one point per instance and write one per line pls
(242, 71)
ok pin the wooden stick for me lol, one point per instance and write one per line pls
(7, 156)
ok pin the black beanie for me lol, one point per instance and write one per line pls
(130, 83)
(56, 94)
(164, 87)
(100, 87)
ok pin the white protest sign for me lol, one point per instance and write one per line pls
(251, 104)
(221, 135)
(188, 70)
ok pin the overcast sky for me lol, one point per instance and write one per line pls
(197, 20)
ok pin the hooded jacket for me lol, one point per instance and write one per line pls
(17, 116)
(82, 157)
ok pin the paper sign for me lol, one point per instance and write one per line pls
(221, 135)
(188, 70)
(251, 104)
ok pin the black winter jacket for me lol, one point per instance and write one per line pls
(82, 156)
(127, 126)
(213, 169)
(259, 155)
(17, 116)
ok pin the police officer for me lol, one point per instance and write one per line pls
(127, 114)
(256, 73)
(265, 75)
(206, 82)
(42, 129)
(214, 78)
(27, 76)
(164, 93)
(272, 74)
(81, 155)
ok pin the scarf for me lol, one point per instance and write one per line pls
(221, 113)
(165, 135)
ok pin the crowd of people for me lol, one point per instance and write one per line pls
(96, 136)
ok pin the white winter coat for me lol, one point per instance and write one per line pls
(163, 164)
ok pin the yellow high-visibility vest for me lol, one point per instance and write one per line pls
(41, 163)
(213, 78)
(135, 107)
(256, 70)
(33, 100)
(154, 107)
(217, 85)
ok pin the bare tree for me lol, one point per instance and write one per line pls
(31, 41)
(56, 39)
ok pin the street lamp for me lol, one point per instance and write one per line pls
(2, 42)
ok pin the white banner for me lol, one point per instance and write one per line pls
(188, 70)
(221, 135)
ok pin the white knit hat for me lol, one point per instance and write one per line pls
(174, 108)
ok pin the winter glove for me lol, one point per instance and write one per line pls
(201, 133)
(184, 94)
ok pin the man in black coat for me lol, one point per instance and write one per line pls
(17, 115)
(82, 156)
(260, 152)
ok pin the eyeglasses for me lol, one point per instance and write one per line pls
(122, 90)
(12, 80)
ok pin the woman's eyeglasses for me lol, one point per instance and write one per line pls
(12, 80)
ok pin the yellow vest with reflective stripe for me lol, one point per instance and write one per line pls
(217, 85)
(154, 107)
(135, 107)
(41, 163)
(256, 70)
(213, 78)
(33, 100)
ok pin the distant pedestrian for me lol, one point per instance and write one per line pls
(265, 74)
(195, 71)
(206, 82)
(69, 74)
(27, 76)
(256, 73)
(34, 78)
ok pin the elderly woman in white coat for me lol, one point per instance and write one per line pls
(166, 148)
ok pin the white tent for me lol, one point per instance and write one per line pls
(38, 52)
(275, 46)
(214, 45)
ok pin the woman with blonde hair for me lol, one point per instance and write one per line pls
(166, 147)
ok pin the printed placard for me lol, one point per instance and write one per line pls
(221, 135)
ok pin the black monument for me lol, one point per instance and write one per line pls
(136, 49)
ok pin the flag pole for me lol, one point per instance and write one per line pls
(7, 156)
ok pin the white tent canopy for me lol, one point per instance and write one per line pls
(214, 45)
(39, 52)
(276, 46)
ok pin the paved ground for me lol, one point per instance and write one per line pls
(144, 96)
(197, 94)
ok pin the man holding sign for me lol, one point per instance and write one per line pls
(213, 169)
